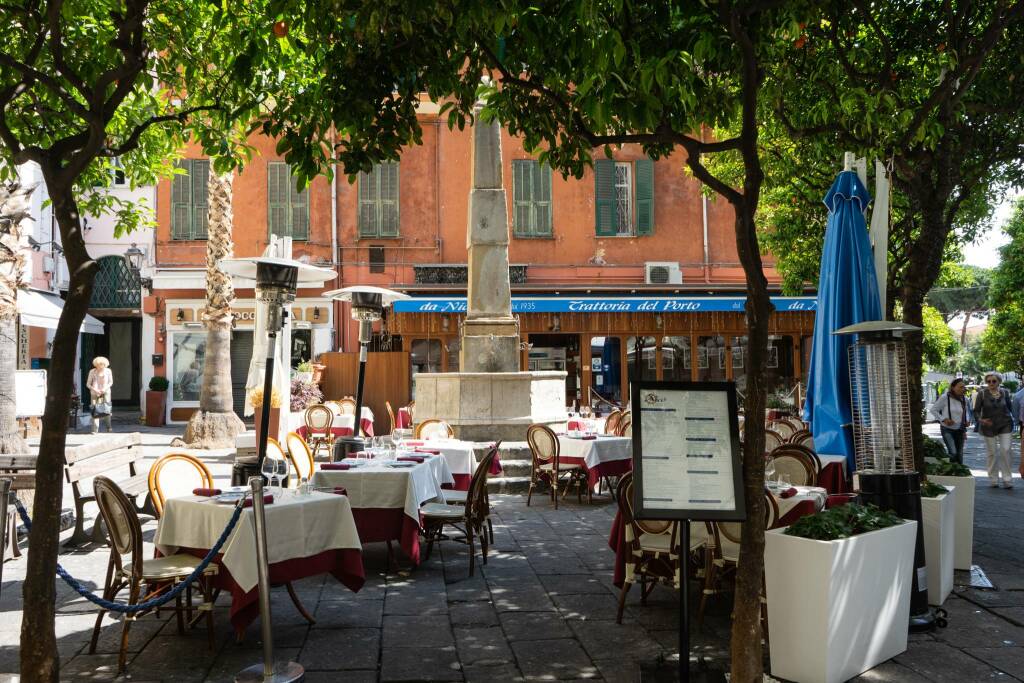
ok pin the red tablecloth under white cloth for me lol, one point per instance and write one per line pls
(306, 536)
(833, 473)
(460, 456)
(403, 419)
(601, 456)
(386, 499)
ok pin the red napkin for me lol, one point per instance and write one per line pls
(335, 466)
(788, 493)
(409, 458)
(589, 437)
(267, 500)
(206, 492)
(340, 490)
(431, 451)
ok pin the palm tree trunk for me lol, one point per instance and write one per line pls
(13, 212)
(215, 424)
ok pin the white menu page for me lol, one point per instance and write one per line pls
(687, 450)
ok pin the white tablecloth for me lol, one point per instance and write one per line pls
(815, 493)
(827, 460)
(459, 455)
(297, 526)
(595, 451)
(376, 485)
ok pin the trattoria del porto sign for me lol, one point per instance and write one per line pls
(667, 304)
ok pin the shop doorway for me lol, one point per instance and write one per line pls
(241, 355)
(121, 345)
(558, 352)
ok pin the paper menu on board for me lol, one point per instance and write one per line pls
(686, 450)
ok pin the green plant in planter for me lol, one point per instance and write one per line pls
(935, 449)
(159, 384)
(778, 401)
(843, 522)
(947, 468)
(932, 490)
(304, 366)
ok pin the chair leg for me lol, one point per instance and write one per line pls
(709, 579)
(626, 585)
(429, 532)
(108, 594)
(490, 529)
(204, 588)
(298, 603)
(483, 542)
(472, 549)
(529, 492)
(122, 656)
(643, 591)
(179, 614)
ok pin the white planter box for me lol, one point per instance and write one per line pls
(963, 533)
(938, 524)
(837, 608)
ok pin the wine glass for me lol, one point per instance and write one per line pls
(269, 470)
(281, 470)
(769, 470)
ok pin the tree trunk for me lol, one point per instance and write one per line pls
(10, 439)
(14, 210)
(963, 329)
(40, 661)
(215, 424)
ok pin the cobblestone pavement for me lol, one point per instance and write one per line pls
(543, 608)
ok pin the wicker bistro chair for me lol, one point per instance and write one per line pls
(723, 556)
(798, 463)
(300, 456)
(434, 429)
(803, 438)
(654, 553)
(348, 405)
(335, 407)
(784, 429)
(128, 569)
(544, 451)
(772, 440)
(473, 516)
(611, 423)
(318, 420)
(391, 417)
(176, 474)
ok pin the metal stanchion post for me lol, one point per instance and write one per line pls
(268, 671)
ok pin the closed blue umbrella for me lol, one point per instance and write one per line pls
(847, 294)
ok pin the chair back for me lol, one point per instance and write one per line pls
(784, 429)
(772, 440)
(122, 521)
(796, 465)
(543, 444)
(391, 417)
(434, 429)
(348, 405)
(335, 407)
(624, 494)
(318, 420)
(478, 503)
(727, 535)
(803, 438)
(300, 456)
(176, 474)
(611, 423)
(625, 425)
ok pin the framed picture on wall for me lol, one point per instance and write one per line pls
(721, 358)
(773, 356)
(595, 364)
(737, 357)
(702, 358)
(652, 362)
(686, 358)
(668, 359)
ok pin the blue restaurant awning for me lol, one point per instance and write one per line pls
(590, 304)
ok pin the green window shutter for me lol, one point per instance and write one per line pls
(200, 207)
(604, 198)
(644, 197)
(388, 199)
(541, 199)
(298, 203)
(277, 199)
(521, 195)
(181, 202)
(367, 204)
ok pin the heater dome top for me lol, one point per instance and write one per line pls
(388, 296)
(893, 327)
(246, 268)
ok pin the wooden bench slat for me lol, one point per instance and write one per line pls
(99, 446)
(102, 464)
(133, 486)
(18, 462)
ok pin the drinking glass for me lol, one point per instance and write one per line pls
(269, 470)
(769, 470)
(282, 469)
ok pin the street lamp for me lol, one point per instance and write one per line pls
(368, 305)
(135, 256)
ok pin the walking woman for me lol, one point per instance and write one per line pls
(995, 421)
(99, 382)
(951, 411)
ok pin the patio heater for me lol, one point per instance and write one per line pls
(367, 303)
(883, 440)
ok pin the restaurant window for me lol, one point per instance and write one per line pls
(302, 346)
(648, 359)
(188, 199)
(606, 367)
(189, 352)
(531, 198)
(779, 375)
(453, 347)
(738, 354)
(425, 355)
(711, 359)
(623, 197)
(287, 206)
(675, 359)
(378, 201)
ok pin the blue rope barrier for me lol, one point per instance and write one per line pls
(163, 598)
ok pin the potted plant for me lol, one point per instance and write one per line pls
(838, 591)
(953, 474)
(156, 402)
(318, 371)
(304, 371)
(275, 412)
(778, 406)
(938, 511)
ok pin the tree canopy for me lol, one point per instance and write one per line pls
(1003, 340)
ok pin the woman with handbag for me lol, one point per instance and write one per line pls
(995, 422)
(953, 414)
(99, 382)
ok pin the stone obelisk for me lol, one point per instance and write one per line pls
(490, 338)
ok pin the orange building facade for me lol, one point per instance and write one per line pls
(632, 249)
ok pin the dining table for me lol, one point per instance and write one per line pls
(307, 535)
(460, 456)
(386, 495)
(600, 455)
(794, 503)
(344, 425)
(833, 473)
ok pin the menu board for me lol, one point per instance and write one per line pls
(686, 451)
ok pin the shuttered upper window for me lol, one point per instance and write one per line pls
(287, 207)
(531, 198)
(624, 197)
(378, 201)
(188, 200)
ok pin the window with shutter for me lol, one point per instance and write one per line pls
(623, 198)
(379, 214)
(189, 207)
(287, 206)
(531, 198)
(644, 197)
(604, 198)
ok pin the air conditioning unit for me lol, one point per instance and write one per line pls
(663, 273)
